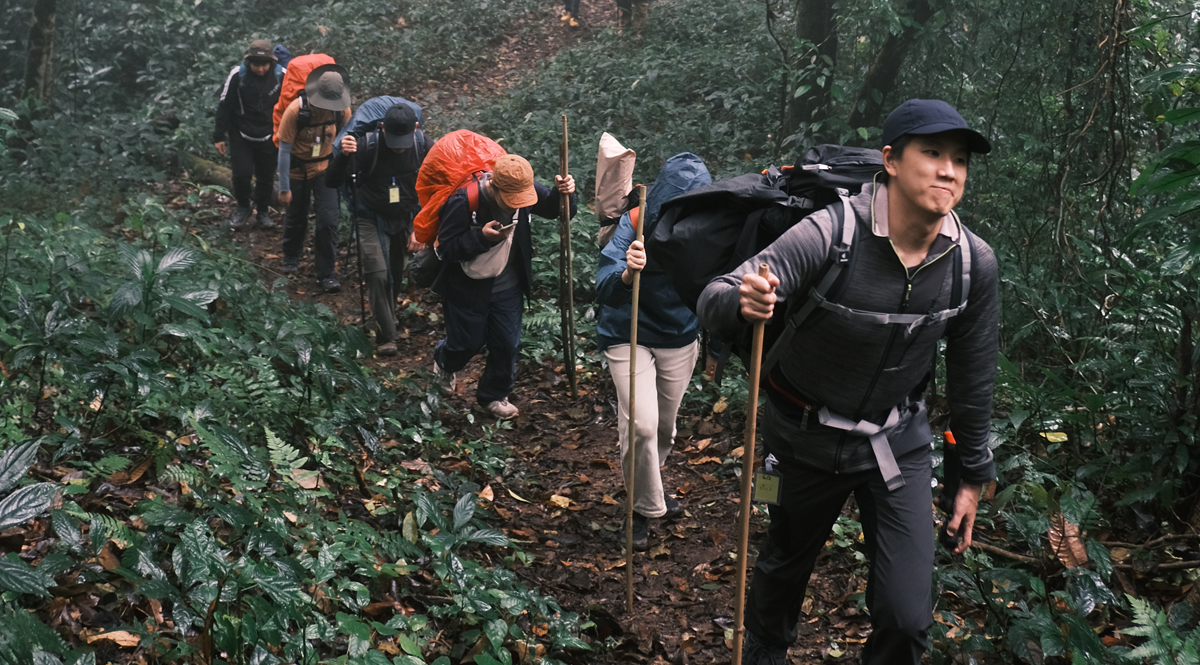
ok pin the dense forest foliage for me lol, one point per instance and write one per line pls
(215, 463)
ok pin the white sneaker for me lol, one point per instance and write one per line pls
(502, 409)
(445, 379)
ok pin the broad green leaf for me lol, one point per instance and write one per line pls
(26, 503)
(262, 657)
(16, 461)
(496, 630)
(409, 646)
(67, 528)
(1181, 116)
(464, 510)
(128, 296)
(1182, 258)
(16, 575)
(488, 537)
(44, 658)
(177, 259)
(188, 307)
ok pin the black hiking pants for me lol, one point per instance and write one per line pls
(252, 159)
(324, 202)
(898, 535)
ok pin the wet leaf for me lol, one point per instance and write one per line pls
(1065, 542)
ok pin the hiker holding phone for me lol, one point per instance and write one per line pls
(486, 245)
(845, 411)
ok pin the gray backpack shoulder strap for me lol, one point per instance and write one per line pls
(844, 227)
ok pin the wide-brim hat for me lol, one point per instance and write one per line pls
(512, 178)
(930, 116)
(328, 87)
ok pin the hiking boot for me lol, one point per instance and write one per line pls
(445, 380)
(290, 266)
(573, 23)
(641, 532)
(386, 349)
(331, 285)
(755, 652)
(566, 17)
(264, 221)
(673, 508)
(502, 409)
(623, 19)
(240, 217)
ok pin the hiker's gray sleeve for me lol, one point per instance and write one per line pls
(285, 166)
(972, 348)
(794, 258)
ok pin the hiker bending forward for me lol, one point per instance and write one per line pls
(845, 412)
(385, 206)
(486, 310)
(666, 352)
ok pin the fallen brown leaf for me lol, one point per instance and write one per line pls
(1065, 542)
(121, 637)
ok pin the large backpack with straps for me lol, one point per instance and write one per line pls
(294, 77)
(242, 70)
(712, 230)
(365, 123)
(457, 160)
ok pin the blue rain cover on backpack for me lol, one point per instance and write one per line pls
(283, 55)
(368, 116)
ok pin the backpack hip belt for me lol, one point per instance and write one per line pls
(259, 139)
(878, 436)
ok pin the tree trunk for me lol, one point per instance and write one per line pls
(816, 23)
(39, 62)
(881, 76)
(205, 172)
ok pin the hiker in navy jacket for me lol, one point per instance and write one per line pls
(845, 408)
(487, 311)
(668, 342)
(244, 117)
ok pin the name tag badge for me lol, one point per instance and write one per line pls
(393, 195)
(316, 151)
(766, 487)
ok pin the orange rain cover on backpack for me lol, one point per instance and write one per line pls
(293, 82)
(448, 166)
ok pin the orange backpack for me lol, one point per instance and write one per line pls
(297, 72)
(454, 161)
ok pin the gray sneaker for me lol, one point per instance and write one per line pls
(502, 409)
(240, 217)
(445, 379)
(290, 266)
(264, 221)
(331, 285)
(386, 349)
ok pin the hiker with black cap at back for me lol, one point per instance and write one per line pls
(386, 162)
(845, 412)
(244, 131)
(306, 134)
(486, 247)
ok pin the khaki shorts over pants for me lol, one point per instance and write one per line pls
(663, 376)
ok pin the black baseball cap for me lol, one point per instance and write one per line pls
(399, 123)
(930, 116)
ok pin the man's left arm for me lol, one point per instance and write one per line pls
(972, 349)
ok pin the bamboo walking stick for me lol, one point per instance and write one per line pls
(747, 474)
(566, 270)
(631, 437)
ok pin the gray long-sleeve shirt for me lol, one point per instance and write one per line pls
(862, 370)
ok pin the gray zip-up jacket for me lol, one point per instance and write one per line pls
(862, 370)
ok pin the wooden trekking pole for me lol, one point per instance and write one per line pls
(566, 270)
(631, 437)
(747, 475)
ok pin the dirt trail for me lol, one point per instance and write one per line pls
(565, 503)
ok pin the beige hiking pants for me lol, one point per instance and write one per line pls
(662, 378)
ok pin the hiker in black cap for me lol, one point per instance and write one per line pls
(845, 412)
(386, 161)
(306, 134)
(244, 130)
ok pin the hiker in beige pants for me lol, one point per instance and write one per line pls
(668, 343)
(663, 376)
